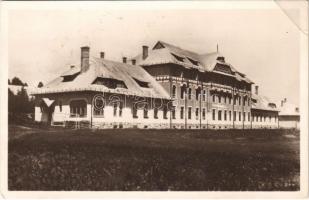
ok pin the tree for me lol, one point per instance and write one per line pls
(9, 82)
(40, 84)
(25, 84)
(17, 81)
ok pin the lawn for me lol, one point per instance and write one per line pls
(153, 160)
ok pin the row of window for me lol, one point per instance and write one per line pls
(215, 98)
(78, 108)
(227, 115)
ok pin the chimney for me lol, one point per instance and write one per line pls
(84, 59)
(282, 103)
(124, 59)
(296, 109)
(256, 89)
(102, 54)
(145, 52)
(133, 61)
(285, 100)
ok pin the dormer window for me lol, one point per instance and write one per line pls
(69, 78)
(221, 58)
(179, 58)
(194, 62)
(142, 83)
(109, 82)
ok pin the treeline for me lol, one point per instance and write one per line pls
(20, 105)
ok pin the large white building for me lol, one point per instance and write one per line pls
(165, 87)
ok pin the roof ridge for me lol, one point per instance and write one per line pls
(174, 46)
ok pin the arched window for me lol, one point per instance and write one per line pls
(98, 107)
(78, 108)
(183, 92)
(197, 93)
(174, 91)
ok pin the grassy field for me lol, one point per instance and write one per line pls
(153, 160)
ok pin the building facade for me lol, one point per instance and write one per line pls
(165, 87)
(207, 92)
(289, 116)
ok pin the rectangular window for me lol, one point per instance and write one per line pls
(60, 106)
(189, 93)
(174, 91)
(181, 112)
(173, 112)
(234, 117)
(165, 112)
(204, 95)
(146, 112)
(134, 110)
(197, 94)
(239, 116)
(204, 113)
(225, 113)
(115, 109)
(230, 100)
(230, 115)
(244, 117)
(249, 116)
(219, 115)
(213, 114)
(120, 109)
(239, 101)
(182, 92)
(219, 98)
(189, 112)
(78, 108)
(234, 100)
(196, 113)
(225, 99)
(213, 98)
(155, 113)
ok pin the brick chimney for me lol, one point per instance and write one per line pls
(257, 90)
(84, 65)
(124, 59)
(145, 52)
(133, 61)
(102, 54)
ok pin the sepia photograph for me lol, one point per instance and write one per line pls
(154, 96)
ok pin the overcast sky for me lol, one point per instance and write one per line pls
(263, 44)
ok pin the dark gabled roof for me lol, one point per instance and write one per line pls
(164, 53)
(107, 69)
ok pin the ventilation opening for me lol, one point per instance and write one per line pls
(109, 82)
(142, 83)
(194, 62)
(221, 58)
(179, 58)
(70, 78)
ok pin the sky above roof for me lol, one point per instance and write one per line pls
(263, 44)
